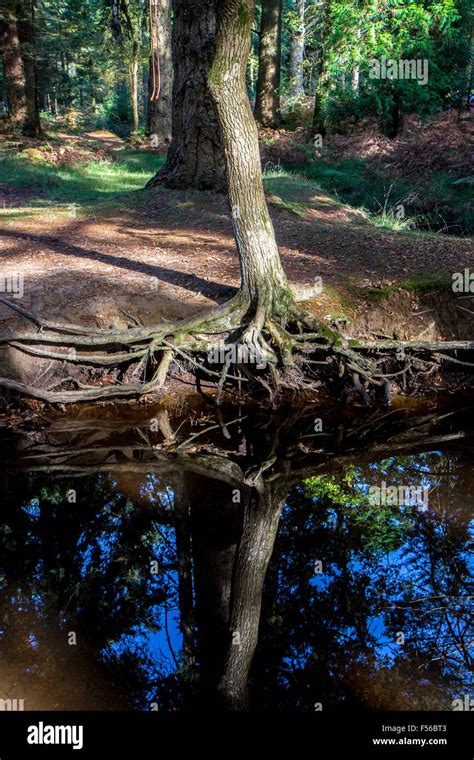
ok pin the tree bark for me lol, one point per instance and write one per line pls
(297, 53)
(267, 104)
(12, 65)
(322, 84)
(160, 81)
(195, 158)
(26, 33)
(263, 281)
(134, 88)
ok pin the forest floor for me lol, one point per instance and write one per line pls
(95, 248)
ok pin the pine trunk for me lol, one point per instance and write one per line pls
(12, 67)
(195, 158)
(26, 33)
(267, 105)
(322, 84)
(297, 53)
(160, 82)
(134, 90)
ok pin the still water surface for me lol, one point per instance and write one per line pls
(188, 560)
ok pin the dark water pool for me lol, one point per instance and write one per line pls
(310, 559)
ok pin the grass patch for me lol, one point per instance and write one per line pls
(416, 283)
(82, 185)
(436, 202)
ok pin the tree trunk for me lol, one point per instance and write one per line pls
(469, 70)
(297, 53)
(263, 281)
(134, 88)
(355, 80)
(195, 158)
(160, 81)
(26, 33)
(267, 105)
(12, 66)
(322, 84)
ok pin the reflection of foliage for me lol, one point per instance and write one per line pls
(90, 563)
(332, 636)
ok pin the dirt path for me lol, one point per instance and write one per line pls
(167, 254)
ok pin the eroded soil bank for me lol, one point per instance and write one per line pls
(124, 259)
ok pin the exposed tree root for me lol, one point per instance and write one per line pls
(230, 345)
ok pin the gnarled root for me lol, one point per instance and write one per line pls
(232, 344)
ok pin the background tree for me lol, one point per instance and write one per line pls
(195, 157)
(12, 63)
(27, 37)
(126, 24)
(267, 103)
(296, 24)
(160, 81)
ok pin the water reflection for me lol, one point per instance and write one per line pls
(239, 563)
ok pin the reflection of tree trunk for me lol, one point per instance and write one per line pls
(216, 524)
(12, 69)
(182, 496)
(261, 518)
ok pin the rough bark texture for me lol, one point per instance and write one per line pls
(12, 64)
(267, 104)
(263, 279)
(297, 53)
(195, 157)
(160, 87)
(26, 32)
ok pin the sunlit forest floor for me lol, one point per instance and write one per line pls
(93, 245)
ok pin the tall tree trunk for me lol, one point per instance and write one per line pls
(322, 84)
(195, 158)
(134, 87)
(470, 69)
(12, 65)
(26, 33)
(297, 53)
(263, 281)
(355, 78)
(267, 104)
(160, 81)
